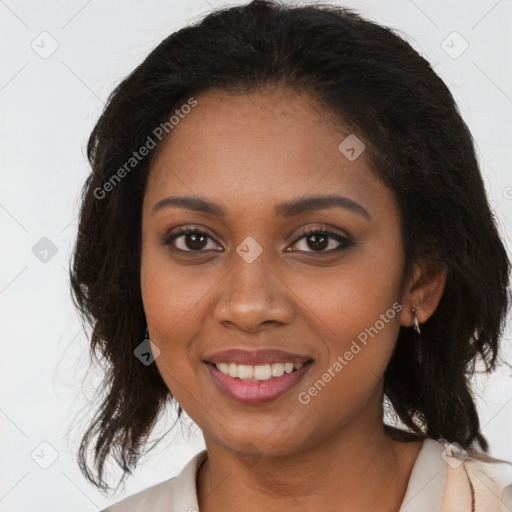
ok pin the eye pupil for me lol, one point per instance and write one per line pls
(319, 245)
(195, 237)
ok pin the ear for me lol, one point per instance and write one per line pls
(422, 291)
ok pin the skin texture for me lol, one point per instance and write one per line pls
(249, 152)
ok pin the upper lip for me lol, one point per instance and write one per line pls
(255, 357)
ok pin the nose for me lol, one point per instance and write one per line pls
(253, 297)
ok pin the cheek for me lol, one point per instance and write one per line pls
(350, 297)
(170, 304)
(358, 323)
(355, 308)
(174, 300)
(170, 292)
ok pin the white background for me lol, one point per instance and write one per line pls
(49, 107)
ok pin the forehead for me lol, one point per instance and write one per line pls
(254, 146)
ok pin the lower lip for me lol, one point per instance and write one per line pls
(256, 392)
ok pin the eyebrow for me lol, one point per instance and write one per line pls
(286, 209)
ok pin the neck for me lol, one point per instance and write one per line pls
(355, 470)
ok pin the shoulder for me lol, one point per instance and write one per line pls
(476, 482)
(492, 484)
(147, 499)
(172, 495)
(446, 478)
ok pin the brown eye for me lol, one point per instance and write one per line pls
(319, 239)
(190, 240)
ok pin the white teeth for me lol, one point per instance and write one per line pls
(262, 372)
(224, 368)
(258, 372)
(233, 370)
(277, 370)
(246, 372)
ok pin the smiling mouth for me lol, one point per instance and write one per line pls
(253, 391)
(256, 377)
(263, 372)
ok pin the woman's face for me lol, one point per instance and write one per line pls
(255, 281)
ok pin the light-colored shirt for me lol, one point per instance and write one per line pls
(440, 481)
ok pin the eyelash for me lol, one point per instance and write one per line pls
(344, 241)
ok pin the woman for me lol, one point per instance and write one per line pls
(285, 225)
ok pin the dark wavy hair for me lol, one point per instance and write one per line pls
(368, 78)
